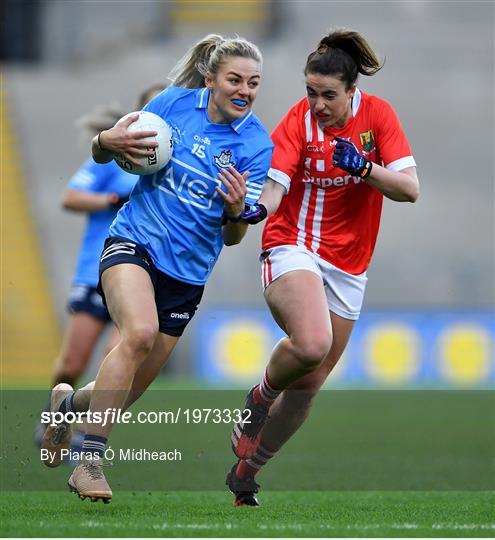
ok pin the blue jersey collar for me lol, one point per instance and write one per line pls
(202, 103)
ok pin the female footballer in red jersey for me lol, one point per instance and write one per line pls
(337, 153)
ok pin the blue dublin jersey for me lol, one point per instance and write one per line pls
(176, 214)
(97, 178)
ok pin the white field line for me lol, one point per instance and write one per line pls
(90, 524)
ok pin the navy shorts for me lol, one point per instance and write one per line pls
(85, 299)
(176, 301)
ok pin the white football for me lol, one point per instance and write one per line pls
(148, 121)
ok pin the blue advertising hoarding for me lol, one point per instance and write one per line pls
(388, 349)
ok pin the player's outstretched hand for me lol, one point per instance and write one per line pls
(129, 144)
(254, 214)
(235, 184)
(346, 156)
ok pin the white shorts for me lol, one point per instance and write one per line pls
(345, 292)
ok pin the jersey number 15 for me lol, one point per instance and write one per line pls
(198, 150)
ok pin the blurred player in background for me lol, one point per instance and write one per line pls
(99, 190)
(337, 153)
(165, 241)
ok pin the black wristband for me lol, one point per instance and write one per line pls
(99, 142)
(367, 169)
(259, 215)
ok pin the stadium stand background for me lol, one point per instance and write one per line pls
(435, 257)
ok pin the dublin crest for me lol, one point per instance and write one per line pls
(224, 160)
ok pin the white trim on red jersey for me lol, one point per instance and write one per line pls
(280, 177)
(308, 125)
(402, 163)
(356, 101)
(303, 212)
(318, 215)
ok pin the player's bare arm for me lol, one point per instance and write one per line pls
(272, 195)
(400, 186)
(85, 201)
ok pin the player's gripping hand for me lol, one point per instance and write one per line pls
(129, 144)
(346, 156)
(254, 214)
(235, 185)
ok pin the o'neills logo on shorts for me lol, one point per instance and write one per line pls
(179, 315)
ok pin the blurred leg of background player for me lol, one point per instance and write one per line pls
(79, 342)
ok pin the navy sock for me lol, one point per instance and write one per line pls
(67, 404)
(95, 444)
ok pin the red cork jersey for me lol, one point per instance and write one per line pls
(327, 210)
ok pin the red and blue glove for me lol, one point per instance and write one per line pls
(346, 156)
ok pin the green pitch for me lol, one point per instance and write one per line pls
(374, 464)
(211, 514)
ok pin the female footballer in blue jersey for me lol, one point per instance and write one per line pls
(98, 190)
(165, 241)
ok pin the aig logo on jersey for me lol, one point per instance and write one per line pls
(188, 184)
(224, 160)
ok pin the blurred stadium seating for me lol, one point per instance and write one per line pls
(29, 333)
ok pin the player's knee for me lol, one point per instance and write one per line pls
(139, 339)
(312, 350)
